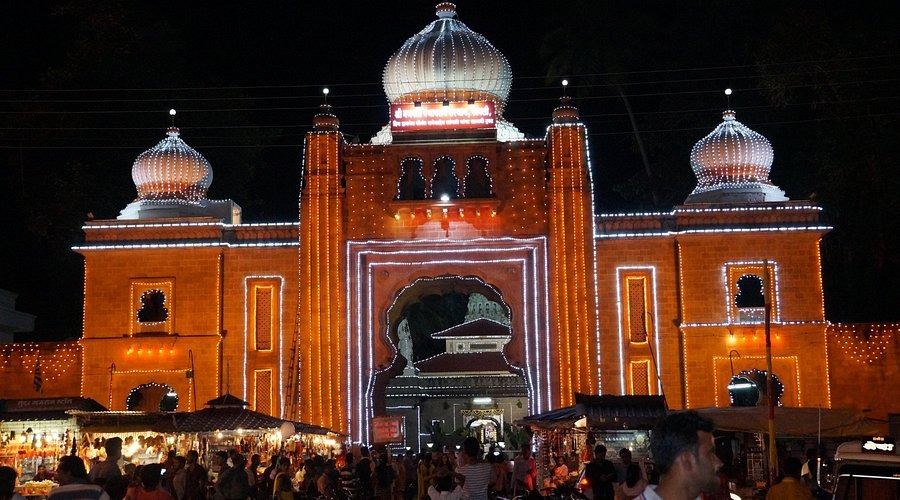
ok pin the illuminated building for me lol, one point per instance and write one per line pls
(449, 203)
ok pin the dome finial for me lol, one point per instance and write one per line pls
(727, 98)
(446, 10)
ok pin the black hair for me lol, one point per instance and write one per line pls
(676, 434)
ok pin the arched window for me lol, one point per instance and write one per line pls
(477, 182)
(750, 292)
(153, 307)
(152, 397)
(444, 182)
(412, 183)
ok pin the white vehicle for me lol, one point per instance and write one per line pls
(867, 470)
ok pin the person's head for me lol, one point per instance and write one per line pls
(116, 487)
(221, 457)
(471, 447)
(364, 451)
(443, 482)
(255, 460)
(284, 463)
(599, 451)
(625, 455)
(113, 447)
(192, 457)
(239, 460)
(683, 444)
(811, 454)
(70, 469)
(42, 469)
(171, 455)
(150, 475)
(560, 460)
(792, 467)
(7, 481)
(632, 474)
(180, 462)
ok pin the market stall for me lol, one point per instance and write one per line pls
(227, 424)
(146, 436)
(36, 432)
(615, 421)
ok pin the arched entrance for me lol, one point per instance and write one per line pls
(387, 277)
(152, 397)
(450, 375)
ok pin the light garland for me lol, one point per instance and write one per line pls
(866, 344)
(784, 229)
(170, 393)
(733, 271)
(731, 155)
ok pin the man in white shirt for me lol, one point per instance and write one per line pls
(475, 472)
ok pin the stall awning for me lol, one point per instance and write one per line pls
(793, 421)
(22, 410)
(603, 412)
(127, 421)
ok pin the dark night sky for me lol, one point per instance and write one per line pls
(85, 88)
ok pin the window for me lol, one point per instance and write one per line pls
(640, 378)
(152, 308)
(636, 289)
(746, 288)
(477, 183)
(263, 313)
(444, 182)
(262, 393)
(412, 183)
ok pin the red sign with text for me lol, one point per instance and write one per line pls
(387, 429)
(408, 117)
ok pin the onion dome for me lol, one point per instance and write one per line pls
(732, 164)
(325, 119)
(171, 170)
(447, 61)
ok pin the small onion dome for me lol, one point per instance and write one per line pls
(171, 170)
(565, 113)
(447, 61)
(736, 160)
(325, 120)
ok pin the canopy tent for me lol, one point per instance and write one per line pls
(606, 412)
(794, 422)
(228, 412)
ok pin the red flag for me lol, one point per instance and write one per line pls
(38, 377)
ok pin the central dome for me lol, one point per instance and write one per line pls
(171, 170)
(447, 61)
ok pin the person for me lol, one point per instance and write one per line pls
(149, 489)
(179, 478)
(497, 486)
(327, 482)
(195, 478)
(684, 450)
(117, 487)
(233, 483)
(560, 473)
(282, 489)
(600, 474)
(364, 469)
(473, 472)
(524, 472)
(102, 471)
(252, 477)
(445, 489)
(634, 483)
(790, 487)
(384, 478)
(8, 480)
(624, 461)
(42, 474)
(74, 483)
(424, 474)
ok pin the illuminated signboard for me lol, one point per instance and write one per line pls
(456, 115)
(878, 444)
(387, 429)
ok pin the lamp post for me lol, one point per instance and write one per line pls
(770, 393)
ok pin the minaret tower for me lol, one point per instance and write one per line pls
(573, 274)
(320, 318)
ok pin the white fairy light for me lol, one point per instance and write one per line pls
(171, 171)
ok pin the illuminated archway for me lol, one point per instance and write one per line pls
(152, 397)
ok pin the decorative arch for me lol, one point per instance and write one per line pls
(477, 182)
(152, 397)
(444, 181)
(411, 184)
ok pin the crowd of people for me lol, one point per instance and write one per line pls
(682, 446)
